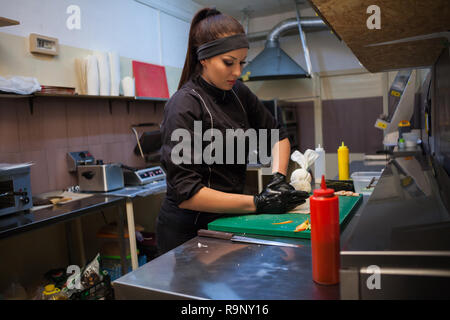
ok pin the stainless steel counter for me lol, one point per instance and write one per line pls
(205, 268)
(401, 240)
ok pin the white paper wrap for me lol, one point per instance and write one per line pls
(103, 73)
(301, 178)
(20, 85)
(93, 84)
(114, 67)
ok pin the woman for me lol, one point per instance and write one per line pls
(209, 96)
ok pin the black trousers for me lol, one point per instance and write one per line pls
(174, 226)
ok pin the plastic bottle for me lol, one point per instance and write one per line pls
(343, 160)
(52, 293)
(325, 235)
(319, 164)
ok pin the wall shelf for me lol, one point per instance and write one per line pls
(82, 96)
(86, 96)
(5, 22)
(127, 99)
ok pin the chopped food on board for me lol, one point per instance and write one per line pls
(284, 222)
(347, 193)
(304, 226)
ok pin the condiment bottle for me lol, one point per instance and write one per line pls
(343, 160)
(319, 164)
(52, 293)
(324, 206)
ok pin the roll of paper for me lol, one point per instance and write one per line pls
(114, 67)
(104, 73)
(128, 86)
(80, 70)
(93, 84)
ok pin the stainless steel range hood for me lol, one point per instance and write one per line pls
(273, 63)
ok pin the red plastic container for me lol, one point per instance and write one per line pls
(325, 235)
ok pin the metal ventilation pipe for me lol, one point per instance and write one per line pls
(273, 63)
(307, 24)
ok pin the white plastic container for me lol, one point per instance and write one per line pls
(319, 165)
(410, 139)
(362, 179)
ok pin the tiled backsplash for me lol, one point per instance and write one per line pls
(61, 125)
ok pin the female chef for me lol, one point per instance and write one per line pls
(210, 97)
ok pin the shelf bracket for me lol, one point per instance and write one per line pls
(110, 106)
(31, 105)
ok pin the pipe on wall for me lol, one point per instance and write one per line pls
(308, 24)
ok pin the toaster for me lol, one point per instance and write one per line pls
(100, 177)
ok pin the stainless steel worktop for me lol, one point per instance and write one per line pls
(205, 268)
(399, 246)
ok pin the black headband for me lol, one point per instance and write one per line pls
(222, 45)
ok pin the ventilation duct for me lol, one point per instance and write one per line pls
(273, 63)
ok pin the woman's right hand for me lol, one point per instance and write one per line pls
(275, 201)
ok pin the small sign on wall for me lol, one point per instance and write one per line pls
(44, 45)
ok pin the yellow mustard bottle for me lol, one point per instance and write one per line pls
(343, 159)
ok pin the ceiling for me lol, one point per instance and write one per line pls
(255, 8)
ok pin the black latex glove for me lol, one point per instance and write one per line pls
(278, 183)
(279, 196)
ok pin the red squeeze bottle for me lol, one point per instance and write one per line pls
(325, 230)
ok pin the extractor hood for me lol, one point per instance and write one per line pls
(273, 63)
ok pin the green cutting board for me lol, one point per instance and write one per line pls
(263, 223)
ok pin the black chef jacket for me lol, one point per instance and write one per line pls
(197, 100)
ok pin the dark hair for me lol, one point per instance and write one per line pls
(207, 25)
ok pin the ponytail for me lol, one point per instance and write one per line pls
(207, 25)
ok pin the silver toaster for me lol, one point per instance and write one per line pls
(100, 177)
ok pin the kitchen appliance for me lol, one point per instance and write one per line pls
(272, 63)
(94, 175)
(401, 107)
(75, 159)
(100, 177)
(143, 176)
(15, 188)
(149, 144)
(399, 247)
